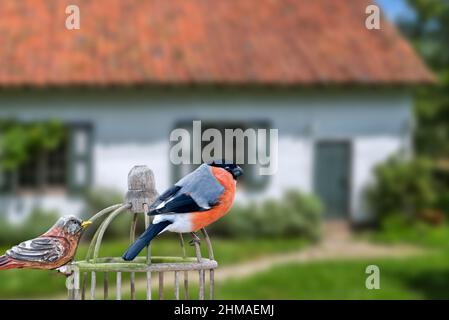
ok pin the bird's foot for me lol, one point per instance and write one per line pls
(195, 240)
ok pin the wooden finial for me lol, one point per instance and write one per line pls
(141, 188)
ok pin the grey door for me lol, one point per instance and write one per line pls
(331, 177)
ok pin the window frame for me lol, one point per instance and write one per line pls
(10, 179)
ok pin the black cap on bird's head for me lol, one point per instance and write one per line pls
(229, 166)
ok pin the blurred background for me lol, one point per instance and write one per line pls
(363, 120)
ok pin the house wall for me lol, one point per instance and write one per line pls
(132, 126)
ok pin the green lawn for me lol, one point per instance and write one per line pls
(36, 283)
(424, 277)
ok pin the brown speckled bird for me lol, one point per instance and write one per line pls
(52, 250)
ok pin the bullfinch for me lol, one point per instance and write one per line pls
(52, 250)
(194, 202)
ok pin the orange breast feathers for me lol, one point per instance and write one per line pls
(202, 219)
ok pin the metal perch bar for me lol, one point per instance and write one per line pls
(181, 241)
(197, 251)
(211, 284)
(132, 237)
(76, 283)
(201, 285)
(95, 217)
(133, 286)
(176, 285)
(146, 209)
(119, 286)
(105, 286)
(159, 264)
(161, 286)
(208, 243)
(148, 285)
(104, 211)
(104, 226)
(186, 273)
(93, 280)
(83, 286)
(186, 285)
(92, 245)
(210, 251)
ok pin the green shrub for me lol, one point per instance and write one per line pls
(396, 228)
(442, 202)
(295, 214)
(34, 225)
(404, 187)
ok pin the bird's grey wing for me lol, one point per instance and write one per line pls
(42, 250)
(202, 186)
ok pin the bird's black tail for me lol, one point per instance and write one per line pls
(144, 239)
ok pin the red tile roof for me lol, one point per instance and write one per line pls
(280, 42)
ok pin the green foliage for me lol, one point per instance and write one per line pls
(19, 140)
(429, 32)
(404, 186)
(443, 201)
(34, 225)
(398, 228)
(296, 214)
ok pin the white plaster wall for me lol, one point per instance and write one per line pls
(112, 163)
(17, 208)
(132, 127)
(295, 166)
(368, 152)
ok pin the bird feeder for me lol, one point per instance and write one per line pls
(141, 194)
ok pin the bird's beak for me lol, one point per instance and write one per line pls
(85, 224)
(237, 172)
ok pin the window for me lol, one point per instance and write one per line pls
(251, 180)
(45, 170)
(66, 168)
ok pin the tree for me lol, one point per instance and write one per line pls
(428, 30)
